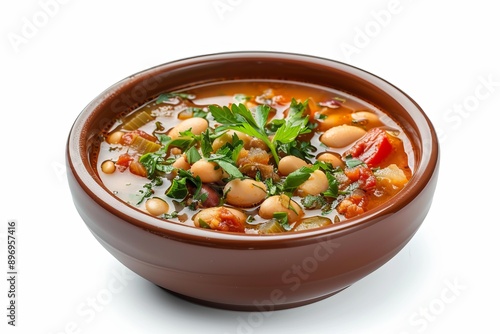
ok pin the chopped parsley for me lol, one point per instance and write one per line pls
(240, 118)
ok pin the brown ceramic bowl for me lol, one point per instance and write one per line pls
(251, 272)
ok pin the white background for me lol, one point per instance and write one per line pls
(56, 56)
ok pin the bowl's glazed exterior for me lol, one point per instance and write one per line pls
(249, 272)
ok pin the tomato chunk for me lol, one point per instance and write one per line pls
(354, 205)
(124, 161)
(372, 148)
(137, 168)
(363, 175)
(229, 222)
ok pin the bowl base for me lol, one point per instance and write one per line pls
(249, 308)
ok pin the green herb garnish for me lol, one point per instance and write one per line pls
(156, 162)
(148, 189)
(296, 178)
(168, 96)
(240, 118)
(282, 219)
(225, 159)
(351, 162)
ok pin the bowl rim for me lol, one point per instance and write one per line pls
(76, 154)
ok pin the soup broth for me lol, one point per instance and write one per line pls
(255, 157)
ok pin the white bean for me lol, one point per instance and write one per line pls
(342, 135)
(245, 193)
(156, 206)
(366, 116)
(280, 203)
(115, 137)
(196, 124)
(208, 171)
(290, 164)
(181, 163)
(331, 158)
(314, 185)
(221, 141)
(108, 167)
(335, 120)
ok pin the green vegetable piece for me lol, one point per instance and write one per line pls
(143, 145)
(239, 118)
(282, 218)
(312, 222)
(178, 189)
(192, 155)
(311, 202)
(148, 189)
(272, 226)
(351, 162)
(333, 186)
(296, 178)
(261, 115)
(206, 144)
(241, 98)
(231, 169)
(137, 121)
(165, 97)
(204, 224)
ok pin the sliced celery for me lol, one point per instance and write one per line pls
(143, 145)
(272, 226)
(137, 121)
(312, 222)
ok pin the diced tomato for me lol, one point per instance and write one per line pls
(353, 205)
(124, 161)
(229, 222)
(138, 169)
(127, 161)
(363, 175)
(372, 148)
(352, 173)
(129, 137)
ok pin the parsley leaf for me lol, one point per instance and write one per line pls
(351, 162)
(296, 178)
(148, 189)
(282, 219)
(224, 158)
(198, 112)
(165, 97)
(311, 202)
(241, 98)
(300, 149)
(239, 118)
(206, 144)
(333, 186)
(224, 115)
(192, 155)
(261, 115)
(295, 123)
(156, 161)
(178, 189)
(231, 169)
